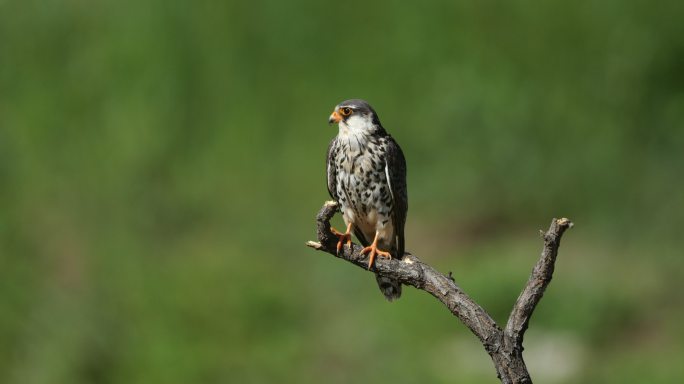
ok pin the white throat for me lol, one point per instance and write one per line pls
(356, 125)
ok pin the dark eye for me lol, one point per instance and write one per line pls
(346, 111)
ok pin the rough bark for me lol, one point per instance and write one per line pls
(503, 345)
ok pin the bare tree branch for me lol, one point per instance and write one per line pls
(538, 281)
(504, 347)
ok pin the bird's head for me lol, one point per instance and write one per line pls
(355, 116)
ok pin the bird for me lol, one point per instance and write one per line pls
(366, 172)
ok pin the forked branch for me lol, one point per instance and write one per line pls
(504, 346)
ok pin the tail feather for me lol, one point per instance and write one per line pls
(389, 287)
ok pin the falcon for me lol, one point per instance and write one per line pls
(367, 177)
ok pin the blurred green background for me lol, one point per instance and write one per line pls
(162, 162)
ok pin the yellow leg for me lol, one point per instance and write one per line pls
(343, 236)
(373, 249)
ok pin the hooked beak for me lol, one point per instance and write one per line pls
(334, 118)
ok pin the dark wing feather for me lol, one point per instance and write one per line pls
(332, 179)
(396, 170)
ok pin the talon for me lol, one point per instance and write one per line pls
(343, 237)
(373, 250)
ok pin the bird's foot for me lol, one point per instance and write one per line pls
(373, 250)
(344, 237)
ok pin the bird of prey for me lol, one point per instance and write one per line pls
(367, 177)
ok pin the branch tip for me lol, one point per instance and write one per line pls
(314, 244)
